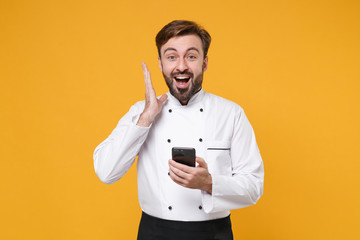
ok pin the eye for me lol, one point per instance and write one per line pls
(171, 57)
(192, 57)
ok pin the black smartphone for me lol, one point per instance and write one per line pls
(184, 155)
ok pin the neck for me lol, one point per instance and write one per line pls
(184, 102)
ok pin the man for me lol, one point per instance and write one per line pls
(179, 201)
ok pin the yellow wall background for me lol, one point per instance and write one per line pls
(69, 70)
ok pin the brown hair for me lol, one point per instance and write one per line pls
(181, 28)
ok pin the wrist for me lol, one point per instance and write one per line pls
(144, 120)
(208, 185)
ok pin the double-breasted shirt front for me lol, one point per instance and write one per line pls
(221, 134)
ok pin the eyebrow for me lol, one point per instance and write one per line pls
(189, 49)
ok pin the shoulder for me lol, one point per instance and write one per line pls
(222, 104)
(138, 107)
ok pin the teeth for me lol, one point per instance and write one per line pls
(182, 78)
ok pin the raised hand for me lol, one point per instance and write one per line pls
(153, 105)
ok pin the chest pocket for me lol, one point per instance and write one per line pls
(218, 157)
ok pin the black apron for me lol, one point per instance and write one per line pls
(152, 228)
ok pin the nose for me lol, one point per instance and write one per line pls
(182, 65)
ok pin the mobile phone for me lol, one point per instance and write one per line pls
(184, 155)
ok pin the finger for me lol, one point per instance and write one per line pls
(178, 175)
(201, 162)
(180, 170)
(177, 179)
(163, 98)
(182, 167)
(146, 73)
(144, 67)
(149, 89)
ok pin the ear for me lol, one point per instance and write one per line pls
(205, 63)
(160, 65)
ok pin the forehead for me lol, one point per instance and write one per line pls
(183, 43)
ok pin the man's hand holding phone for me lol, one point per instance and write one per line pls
(188, 175)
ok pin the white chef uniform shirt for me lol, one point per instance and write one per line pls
(221, 134)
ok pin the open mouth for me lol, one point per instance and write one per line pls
(182, 81)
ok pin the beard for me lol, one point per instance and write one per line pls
(184, 94)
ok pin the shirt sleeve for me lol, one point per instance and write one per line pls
(115, 155)
(244, 186)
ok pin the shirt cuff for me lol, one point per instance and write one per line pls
(135, 119)
(209, 200)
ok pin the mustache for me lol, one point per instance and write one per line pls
(174, 74)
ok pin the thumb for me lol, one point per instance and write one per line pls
(201, 162)
(163, 98)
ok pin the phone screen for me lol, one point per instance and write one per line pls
(184, 155)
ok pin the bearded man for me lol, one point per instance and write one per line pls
(180, 201)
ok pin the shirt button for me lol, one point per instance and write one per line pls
(200, 207)
(170, 208)
(201, 110)
(170, 111)
(169, 140)
(200, 139)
